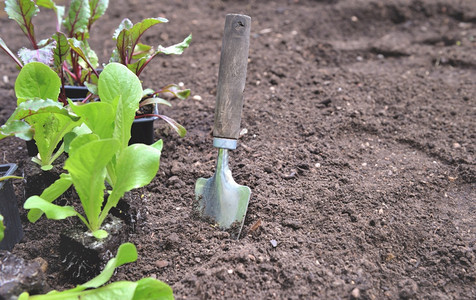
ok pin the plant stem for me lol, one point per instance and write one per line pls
(87, 98)
(15, 59)
(57, 154)
(63, 91)
(147, 116)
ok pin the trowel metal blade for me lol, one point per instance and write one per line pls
(222, 201)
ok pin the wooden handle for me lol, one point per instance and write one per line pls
(232, 76)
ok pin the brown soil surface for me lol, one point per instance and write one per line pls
(359, 151)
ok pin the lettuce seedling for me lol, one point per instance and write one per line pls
(103, 154)
(135, 167)
(146, 288)
(120, 92)
(38, 115)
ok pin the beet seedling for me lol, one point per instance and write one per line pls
(136, 56)
(78, 66)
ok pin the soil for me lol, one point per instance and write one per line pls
(359, 150)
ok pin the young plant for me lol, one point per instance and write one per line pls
(79, 19)
(120, 92)
(136, 166)
(146, 288)
(103, 154)
(69, 53)
(136, 56)
(38, 115)
(77, 66)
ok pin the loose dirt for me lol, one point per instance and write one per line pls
(359, 151)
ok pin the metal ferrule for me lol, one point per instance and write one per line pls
(225, 143)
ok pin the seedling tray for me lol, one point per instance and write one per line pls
(9, 210)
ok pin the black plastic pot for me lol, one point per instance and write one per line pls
(76, 93)
(142, 130)
(9, 210)
(36, 180)
(31, 148)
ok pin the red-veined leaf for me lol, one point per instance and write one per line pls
(98, 8)
(62, 49)
(22, 11)
(154, 100)
(77, 18)
(176, 126)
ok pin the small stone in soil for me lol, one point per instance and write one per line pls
(18, 275)
(161, 263)
(274, 243)
(172, 241)
(176, 168)
(289, 176)
(240, 270)
(355, 293)
(294, 224)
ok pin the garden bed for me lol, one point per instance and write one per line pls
(359, 151)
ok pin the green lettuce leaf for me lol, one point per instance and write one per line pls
(122, 89)
(98, 116)
(87, 166)
(52, 211)
(146, 288)
(2, 228)
(47, 121)
(50, 194)
(136, 166)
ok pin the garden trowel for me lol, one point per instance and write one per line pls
(220, 199)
